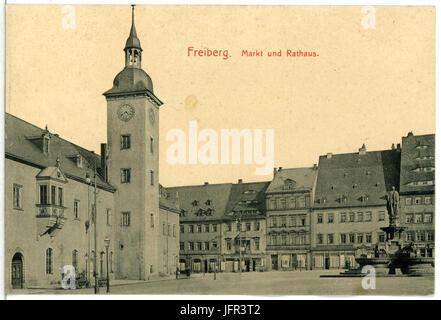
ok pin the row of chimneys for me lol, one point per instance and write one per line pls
(362, 150)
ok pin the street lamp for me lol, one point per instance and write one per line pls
(107, 244)
(94, 220)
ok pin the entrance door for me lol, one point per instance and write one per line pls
(274, 261)
(327, 263)
(17, 271)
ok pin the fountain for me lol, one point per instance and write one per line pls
(392, 257)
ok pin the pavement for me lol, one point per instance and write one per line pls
(272, 283)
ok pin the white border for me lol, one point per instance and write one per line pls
(215, 297)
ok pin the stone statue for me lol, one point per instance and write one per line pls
(393, 200)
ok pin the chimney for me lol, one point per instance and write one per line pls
(104, 170)
(239, 181)
(329, 155)
(362, 150)
(398, 146)
(280, 168)
(315, 166)
(205, 183)
(393, 146)
(410, 134)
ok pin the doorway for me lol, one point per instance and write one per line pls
(274, 262)
(17, 271)
(327, 263)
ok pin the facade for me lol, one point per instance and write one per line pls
(350, 205)
(201, 212)
(289, 200)
(417, 192)
(244, 228)
(50, 207)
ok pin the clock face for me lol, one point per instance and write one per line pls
(126, 112)
(152, 116)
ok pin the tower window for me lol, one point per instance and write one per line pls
(152, 178)
(125, 219)
(108, 216)
(43, 194)
(17, 196)
(151, 145)
(125, 141)
(125, 175)
(76, 209)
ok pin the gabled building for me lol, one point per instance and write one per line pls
(417, 191)
(202, 209)
(244, 228)
(350, 204)
(289, 200)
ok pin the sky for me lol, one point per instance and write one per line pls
(368, 86)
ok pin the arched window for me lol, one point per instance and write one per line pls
(49, 261)
(75, 259)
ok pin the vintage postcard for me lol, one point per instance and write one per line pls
(223, 150)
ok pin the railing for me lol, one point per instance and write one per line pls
(49, 210)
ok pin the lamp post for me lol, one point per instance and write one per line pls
(240, 245)
(94, 220)
(107, 244)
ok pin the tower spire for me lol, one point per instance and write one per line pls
(133, 46)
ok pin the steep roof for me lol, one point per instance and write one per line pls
(303, 178)
(202, 202)
(247, 200)
(168, 200)
(417, 163)
(20, 147)
(354, 179)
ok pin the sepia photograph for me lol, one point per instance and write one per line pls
(251, 150)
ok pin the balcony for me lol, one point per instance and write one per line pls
(50, 219)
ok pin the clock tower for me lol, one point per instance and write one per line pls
(132, 137)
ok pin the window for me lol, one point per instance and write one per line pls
(49, 261)
(207, 228)
(352, 238)
(343, 238)
(418, 218)
(273, 222)
(125, 219)
(199, 228)
(330, 238)
(330, 218)
(430, 236)
(75, 259)
(181, 246)
(301, 202)
(108, 216)
(352, 217)
(420, 236)
(191, 245)
(152, 178)
(257, 243)
(343, 217)
(125, 175)
(181, 228)
(152, 222)
(282, 203)
(381, 216)
(417, 200)
(428, 218)
(199, 245)
(125, 141)
(169, 230)
(53, 195)
(256, 226)
(60, 196)
(174, 230)
(319, 238)
(368, 238)
(151, 145)
(239, 226)
(76, 209)
(214, 244)
(229, 226)
(163, 229)
(360, 238)
(368, 216)
(214, 227)
(381, 237)
(207, 245)
(292, 202)
(410, 236)
(191, 228)
(17, 193)
(427, 200)
(303, 222)
(320, 218)
(360, 217)
(43, 194)
(228, 244)
(248, 226)
(408, 201)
